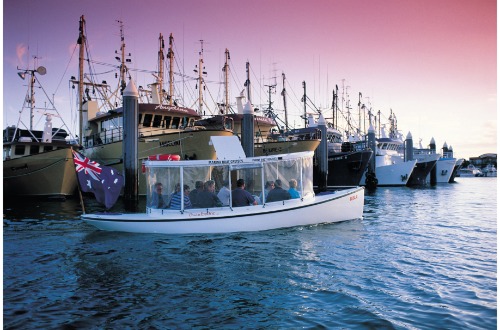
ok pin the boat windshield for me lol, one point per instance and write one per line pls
(219, 178)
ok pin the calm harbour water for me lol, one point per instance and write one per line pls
(419, 259)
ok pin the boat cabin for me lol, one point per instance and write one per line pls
(22, 142)
(226, 170)
(153, 119)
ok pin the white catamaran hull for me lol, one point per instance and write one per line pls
(324, 208)
(444, 169)
(396, 174)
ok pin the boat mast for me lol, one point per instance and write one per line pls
(161, 59)
(359, 113)
(201, 71)
(123, 68)
(247, 84)
(81, 42)
(170, 56)
(226, 81)
(305, 103)
(284, 100)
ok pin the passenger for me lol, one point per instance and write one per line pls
(293, 189)
(175, 199)
(241, 197)
(267, 188)
(278, 193)
(207, 198)
(224, 193)
(157, 198)
(193, 195)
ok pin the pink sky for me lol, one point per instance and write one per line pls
(432, 62)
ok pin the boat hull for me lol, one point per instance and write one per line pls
(187, 144)
(345, 169)
(444, 169)
(420, 172)
(50, 173)
(394, 175)
(323, 208)
(284, 147)
(456, 168)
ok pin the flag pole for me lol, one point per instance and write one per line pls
(79, 188)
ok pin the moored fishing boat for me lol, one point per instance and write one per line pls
(230, 165)
(445, 165)
(164, 127)
(37, 162)
(426, 161)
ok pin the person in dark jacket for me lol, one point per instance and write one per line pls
(207, 198)
(278, 193)
(241, 197)
(194, 194)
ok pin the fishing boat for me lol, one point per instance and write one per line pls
(232, 164)
(164, 126)
(426, 161)
(456, 169)
(392, 168)
(37, 162)
(270, 137)
(445, 165)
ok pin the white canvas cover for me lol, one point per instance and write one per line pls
(227, 147)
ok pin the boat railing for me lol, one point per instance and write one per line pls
(104, 137)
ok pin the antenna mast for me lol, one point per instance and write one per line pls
(161, 59)
(304, 99)
(226, 81)
(170, 56)
(81, 41)
(283, 93)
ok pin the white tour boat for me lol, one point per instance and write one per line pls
(231, 165)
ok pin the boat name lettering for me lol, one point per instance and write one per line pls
(170, 143)
(163, 107)
(268, 151)
(231, 161)
(201, 214)
(24, 167)
(353, 197)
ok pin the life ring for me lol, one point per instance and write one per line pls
(168, 157)
(164, 157)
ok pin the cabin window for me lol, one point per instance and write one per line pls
(147, 120)
(157, 121)
(175, 122)
(19, 150)
(166, 121)
(34, 150)
(140, 118)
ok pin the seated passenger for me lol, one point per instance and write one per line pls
(241, 197)
(157, 199)
(207, 198)
(175, 199)
(278, 193)
(293, 189)
(224, 193)
(193, 195)
(267, 188)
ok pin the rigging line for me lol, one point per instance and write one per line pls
(66, 70)
(232, 70)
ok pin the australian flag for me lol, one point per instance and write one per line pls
(104, 181)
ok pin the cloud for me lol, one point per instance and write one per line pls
(21, 51)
